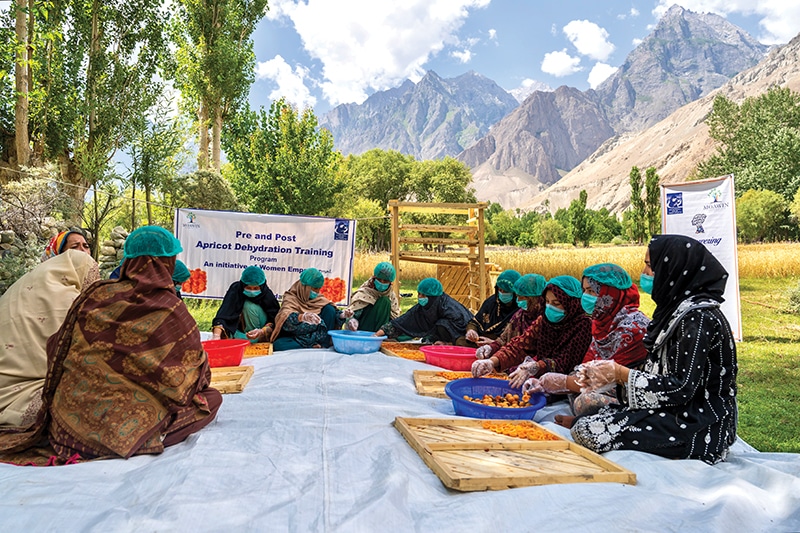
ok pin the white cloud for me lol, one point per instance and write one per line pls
(589, 39)
(527, 87)
(365, 45)
(560, 64)
(492, 34)
(779, 19)
(291, 83)
(600, 73)
(633, 13)
(463, 55)
(636, 41)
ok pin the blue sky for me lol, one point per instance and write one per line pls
(321, 53)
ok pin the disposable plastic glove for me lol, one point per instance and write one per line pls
(527, 369)
(351, 325)
(345, 314)
(597, 376)
(254, 333)
(482, 367)
(553, 383)
(531, 385)
(310, 318)
(472, 335)
(483, 352)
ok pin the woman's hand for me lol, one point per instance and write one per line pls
(482, 367)
(310, 318)
(472, 335)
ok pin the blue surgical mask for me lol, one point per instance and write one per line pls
(522, 304)
(505, 297)
(380, 287)
(423, 301)
(646, 283)
(554, 314)
(313, 294)
(588, 301)
(251, 294)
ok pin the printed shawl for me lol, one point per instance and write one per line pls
(618, 326)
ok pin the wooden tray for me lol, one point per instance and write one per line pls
(228, 379)
(404, 350)
(432, 383)
(467, 457)
(258, 349)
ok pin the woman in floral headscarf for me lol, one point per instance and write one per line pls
(682, 405)
(618, 328)
(70, 239)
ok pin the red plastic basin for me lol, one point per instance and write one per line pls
(449, 357)
(225, 352)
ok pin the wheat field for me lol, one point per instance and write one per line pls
(774, 260)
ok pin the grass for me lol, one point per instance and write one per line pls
(768, 356)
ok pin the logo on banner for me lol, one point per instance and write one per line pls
(697, 222)
(674, 203)
(341, 230)
(716, 200)
(191, 217)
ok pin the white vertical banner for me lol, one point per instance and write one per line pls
(219, 245)
(706, 211)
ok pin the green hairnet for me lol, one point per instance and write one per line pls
(385, 271)
(181, 273)
(609, 274)
(253, 275)
(530, 285)
(506, 280)
(430, 287)
(312, 277)
(154, 241)
(568, 284)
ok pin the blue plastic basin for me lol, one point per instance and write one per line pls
(478, 387)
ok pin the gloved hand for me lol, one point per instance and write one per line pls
(531, 385)
(351, 325)
(254, 333)
(309, 318)
(346, 313)
(597, 376)
(472, 335)
(482, 367)
(527, 369)
(553, 383)
(216, 333)
(483, 352)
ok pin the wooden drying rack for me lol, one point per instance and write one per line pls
(458, 269)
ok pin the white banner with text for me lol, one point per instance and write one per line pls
(219, 245)
(706, 211)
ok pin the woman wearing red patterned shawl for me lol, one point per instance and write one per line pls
(555, 342)
(618, 329)
(127, 374)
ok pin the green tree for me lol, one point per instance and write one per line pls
(637, 218)
(203, 190)
(761, 216)
(580, 222)
(652, 202)
(550, 231)
(281, 161)
(606, 225)
(759, 142)
(216, 63)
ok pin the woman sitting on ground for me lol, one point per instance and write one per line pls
(436, 318)
(248, 310)
(683, 404)
(528, 290)
(618, 328)
(374, 303)
(71, 239)
(31, 310)
(306, 316)
(494, 314)
(127, 373)
(555, 342)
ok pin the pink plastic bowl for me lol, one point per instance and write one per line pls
(225, 352)
(458, 358)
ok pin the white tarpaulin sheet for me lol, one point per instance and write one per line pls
(310, 446)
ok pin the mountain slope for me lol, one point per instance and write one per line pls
(674, 146)
(429, 120)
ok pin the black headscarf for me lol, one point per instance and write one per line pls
(682, 268)
(233, 303)
(442, 311)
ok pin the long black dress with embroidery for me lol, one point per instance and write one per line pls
(683, 404)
